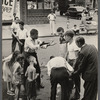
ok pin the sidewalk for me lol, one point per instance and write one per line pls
(44, 29)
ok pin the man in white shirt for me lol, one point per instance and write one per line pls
(52, 18)
(59, 71)
(22, 35)
(72, 55)
(14, 29)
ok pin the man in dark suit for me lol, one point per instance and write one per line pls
(87, 65)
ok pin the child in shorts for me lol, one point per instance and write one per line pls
(31, 82)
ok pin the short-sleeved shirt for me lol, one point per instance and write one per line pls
(15, 27)
(22, 34)
(52, 17)
(71, 50)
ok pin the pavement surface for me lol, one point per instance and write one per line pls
(43, 54)
(44, 29)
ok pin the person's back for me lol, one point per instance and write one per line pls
(90, 52)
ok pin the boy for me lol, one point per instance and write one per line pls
(22, 35)
(31, 76)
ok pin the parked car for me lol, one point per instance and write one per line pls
(75, 12)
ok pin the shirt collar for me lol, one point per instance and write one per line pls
(83, 46)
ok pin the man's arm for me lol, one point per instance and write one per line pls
(30, 45)
(80, 64)
(48, 68)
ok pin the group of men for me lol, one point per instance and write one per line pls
(81, 59)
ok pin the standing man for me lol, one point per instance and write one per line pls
(22, 35)
(59, 71)
(72, 54)
(52, 18)
(14, 29)
(87, 64)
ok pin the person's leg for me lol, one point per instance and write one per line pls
(64, 82)
(17, 92)
(77, 86)
(90, 92)
(21, 47)
(8, 87)
(54, 83)
(53, 27)
(14, 41)
(65, 94)
(38, 70)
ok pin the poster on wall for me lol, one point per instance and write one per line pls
(9, 7)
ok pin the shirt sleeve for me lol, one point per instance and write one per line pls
(7, 58)
(81, 60)
(48, 68)
(69, 67)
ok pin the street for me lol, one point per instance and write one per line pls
(44, 54)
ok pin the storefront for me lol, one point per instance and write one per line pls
(34, 11)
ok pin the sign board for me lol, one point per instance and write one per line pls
(8, 8)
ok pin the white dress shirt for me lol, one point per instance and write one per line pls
(31, 45)
(72, 48)
(22, 34)
(58, 62)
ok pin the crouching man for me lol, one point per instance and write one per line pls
(59, 71)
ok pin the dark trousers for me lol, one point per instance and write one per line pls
(14, 42)
(59, 75)
(77, 86)
(76, 80)
(37, 66)
(90, 92)
(21, 47)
